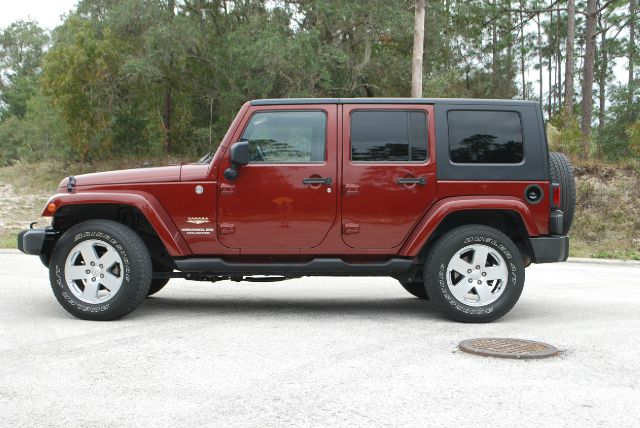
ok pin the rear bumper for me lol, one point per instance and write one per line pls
(550, 249)
(32, 241)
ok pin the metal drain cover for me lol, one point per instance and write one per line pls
(508, 348)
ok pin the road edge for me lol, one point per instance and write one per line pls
(604, 261)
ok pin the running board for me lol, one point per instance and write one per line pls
(320, 267)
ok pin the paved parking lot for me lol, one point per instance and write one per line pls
(319, 351)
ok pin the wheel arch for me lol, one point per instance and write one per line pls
(142, 213)
(508, 215)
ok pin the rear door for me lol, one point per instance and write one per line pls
(285, 198)
(389, 176)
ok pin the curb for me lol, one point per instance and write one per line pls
(618, 262)
(10, 251)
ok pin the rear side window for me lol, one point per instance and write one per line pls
(480, 136)
(389, 136)
(286, 137)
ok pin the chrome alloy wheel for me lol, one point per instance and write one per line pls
(477, 275)
(93, 271)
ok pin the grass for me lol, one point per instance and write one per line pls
(8, 239)
(607, 220)
(606, 223)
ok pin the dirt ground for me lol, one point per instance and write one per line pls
(17, 210)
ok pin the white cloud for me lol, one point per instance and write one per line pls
(46, 12)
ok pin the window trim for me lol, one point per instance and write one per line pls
(326, 134)
(407, 110)
(522, 134)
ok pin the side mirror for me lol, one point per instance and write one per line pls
(239, 155)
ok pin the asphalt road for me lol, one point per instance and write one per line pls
(319, 351)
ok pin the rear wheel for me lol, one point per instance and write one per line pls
(100, 270)
(474, 273)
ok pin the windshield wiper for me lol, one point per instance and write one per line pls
(206, 158)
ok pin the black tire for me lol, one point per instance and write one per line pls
(435, 273)
(134, 270)
(562, 173)
(416, 289)
(157, 285)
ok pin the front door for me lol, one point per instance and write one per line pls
(285, 198)
(389, 175)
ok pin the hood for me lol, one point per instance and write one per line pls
(128, 176)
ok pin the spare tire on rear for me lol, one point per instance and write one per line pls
(562, 173)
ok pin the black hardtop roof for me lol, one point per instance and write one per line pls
(457, 101)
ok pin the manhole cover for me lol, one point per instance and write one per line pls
(508, 348)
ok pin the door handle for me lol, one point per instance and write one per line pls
(411, 180)
(317, 180)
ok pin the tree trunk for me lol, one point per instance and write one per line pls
(522, 54)
(540, 63)
(602, 81)
(558, 62)
(587, 80)
(447, 38)
(550, 64)
(166, 107)
(494, 55)
(631, 49)
(569, 63)
(418, 49)
(511, 75)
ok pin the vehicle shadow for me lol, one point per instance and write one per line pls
(405, 308)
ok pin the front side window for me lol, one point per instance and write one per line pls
(480, 136)
(389, 136)
(286, 137)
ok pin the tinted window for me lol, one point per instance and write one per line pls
(485, 137)
(286, 137)
(383, 136)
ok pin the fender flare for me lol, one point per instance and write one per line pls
(144, 202)
(441, 209)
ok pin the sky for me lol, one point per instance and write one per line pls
(45, 12)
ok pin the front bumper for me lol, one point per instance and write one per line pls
(550, 249)
(33, 241)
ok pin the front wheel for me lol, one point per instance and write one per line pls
(100, 270)
(474, 274)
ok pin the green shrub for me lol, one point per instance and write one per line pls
(564, 137)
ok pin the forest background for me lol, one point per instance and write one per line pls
(141, 82)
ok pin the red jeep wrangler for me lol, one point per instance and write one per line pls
(453, 198)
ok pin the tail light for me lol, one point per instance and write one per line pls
(555, 196)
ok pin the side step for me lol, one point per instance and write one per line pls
(320, 267)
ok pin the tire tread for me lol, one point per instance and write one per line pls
(432, 288)
(140, 279)
(562, 172)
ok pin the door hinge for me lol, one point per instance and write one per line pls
(227, 188)
(350, 228)
(351, 189)
(226, 228)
